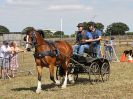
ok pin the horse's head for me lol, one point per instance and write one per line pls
(30, 38)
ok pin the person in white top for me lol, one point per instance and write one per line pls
(5, 52)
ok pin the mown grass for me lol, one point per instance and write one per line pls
(119, 86)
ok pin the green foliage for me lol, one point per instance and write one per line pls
(58, 34)
(3, 29)
(85, 25)
(117, 28)
(65, 36)
(129, 33)
(48, 33)
(25, 30)
(98, 25)
(73, 35)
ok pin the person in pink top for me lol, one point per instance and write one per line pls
(14, 58)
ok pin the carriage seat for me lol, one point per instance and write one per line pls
(90, 52)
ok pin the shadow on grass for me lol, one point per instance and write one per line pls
(44, 87)
(82, 81)
(85, 81)
(47, 87)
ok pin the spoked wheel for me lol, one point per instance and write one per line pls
(105, 71)
(94, 73)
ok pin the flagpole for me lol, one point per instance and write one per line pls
(61, 26)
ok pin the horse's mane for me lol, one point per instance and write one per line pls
(41, 32)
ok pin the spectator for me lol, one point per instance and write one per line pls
(109, 48)
(5, 52)
(14, 58)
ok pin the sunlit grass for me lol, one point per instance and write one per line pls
(120, 85)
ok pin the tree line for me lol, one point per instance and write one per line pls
(116, 28)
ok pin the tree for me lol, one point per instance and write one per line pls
(129, 33)
(58, 34)
(85, 25)
(48, 33)
(73, 35)
(25, 30)
(99, 25)
(118, 28)
(3, 29)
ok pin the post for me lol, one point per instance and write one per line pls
(61, 27)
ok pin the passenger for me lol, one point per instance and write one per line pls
(83, 40)
(97, 37)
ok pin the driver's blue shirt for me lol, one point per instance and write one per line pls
(80, 36)
(88, 35)
(96, 35)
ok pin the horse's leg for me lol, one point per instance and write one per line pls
(51, 69)
(66, 74)
(39, 70)
(65, 81)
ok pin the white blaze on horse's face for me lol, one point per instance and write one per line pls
(27, 41)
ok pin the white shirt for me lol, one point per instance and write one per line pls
(5, 51)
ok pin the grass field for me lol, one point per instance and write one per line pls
(120, 85)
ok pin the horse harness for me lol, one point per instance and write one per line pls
(53, 52)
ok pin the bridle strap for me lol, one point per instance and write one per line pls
(34, 41)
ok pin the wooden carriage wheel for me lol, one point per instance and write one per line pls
(105, 71)
(94, 73)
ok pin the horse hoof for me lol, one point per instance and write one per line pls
(57, 82)
(72, 82)
(38, 91)
(63, 87)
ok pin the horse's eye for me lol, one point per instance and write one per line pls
(24, 38)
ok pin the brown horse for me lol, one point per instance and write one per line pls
(48, 55)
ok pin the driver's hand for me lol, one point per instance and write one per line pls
(83, 40)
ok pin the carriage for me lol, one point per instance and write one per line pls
(97, 69)
(48, 54)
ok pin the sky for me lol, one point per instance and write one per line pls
(47, 14)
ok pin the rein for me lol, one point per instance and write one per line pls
(53, 52)
(33, 38)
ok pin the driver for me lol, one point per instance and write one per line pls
(83, 40)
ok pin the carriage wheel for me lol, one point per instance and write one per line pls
(94, 73)
(105, 71)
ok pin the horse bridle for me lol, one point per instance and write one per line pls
(33, 39)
